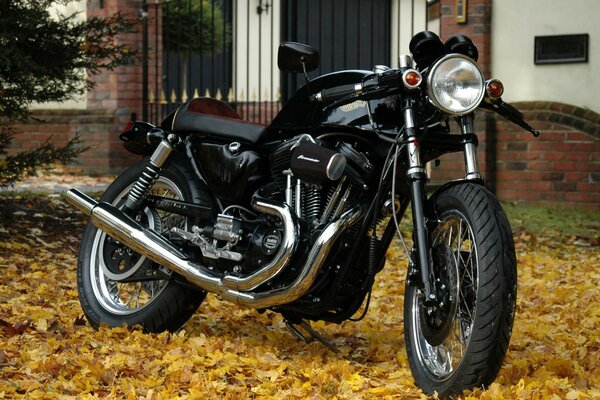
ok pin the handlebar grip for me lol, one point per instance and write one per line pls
(391, 78)
(338, 92)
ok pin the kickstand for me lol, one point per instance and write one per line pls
(309, 335)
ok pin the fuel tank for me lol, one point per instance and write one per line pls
(301, 113)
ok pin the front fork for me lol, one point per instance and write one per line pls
(417, 178)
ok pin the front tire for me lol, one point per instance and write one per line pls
(155, 300)
(462, 344)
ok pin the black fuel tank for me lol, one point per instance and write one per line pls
(302, 113)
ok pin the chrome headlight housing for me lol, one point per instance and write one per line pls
(455, 84)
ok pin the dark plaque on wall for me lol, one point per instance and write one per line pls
(561, 49)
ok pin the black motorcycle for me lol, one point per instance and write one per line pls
(296, 217)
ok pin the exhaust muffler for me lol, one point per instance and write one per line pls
(150, 244)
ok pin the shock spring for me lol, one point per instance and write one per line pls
(144, 183)
(142, 186)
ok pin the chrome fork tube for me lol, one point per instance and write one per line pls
(470, 153)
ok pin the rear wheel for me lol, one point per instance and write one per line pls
(118, 286)
(461, 343)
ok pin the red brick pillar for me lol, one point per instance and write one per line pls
(116, 95)
(477, 26)
(119, 90)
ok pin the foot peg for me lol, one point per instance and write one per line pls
(307, 334)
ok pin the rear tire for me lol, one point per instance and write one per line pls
(462, 345)
(156, 305)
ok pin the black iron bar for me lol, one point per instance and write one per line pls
(247, 105)
(145, 60)
(259, 66)
(271, 66)
(202, 38)
(157, 82)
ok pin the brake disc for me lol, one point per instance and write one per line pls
(437, 321)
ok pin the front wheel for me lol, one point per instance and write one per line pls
(461, 343)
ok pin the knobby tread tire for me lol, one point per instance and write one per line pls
(496, 293)
(177, 302)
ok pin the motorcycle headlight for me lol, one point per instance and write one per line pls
(456, 84)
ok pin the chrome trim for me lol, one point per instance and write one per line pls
(161, 153)
(80, 200)
(406, 84)
(487, 88)
(472, 171)
(298, 198)
(309, 271)
(333, 200)
(405, 61)
(335, 167)
(152, 245)
(409, 119)
(471, 162)
(433, 100)
(288, 187)
(281, 259)
(358, 88)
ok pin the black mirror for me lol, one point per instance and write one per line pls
(292, 56)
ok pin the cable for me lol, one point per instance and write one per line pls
(394, 214)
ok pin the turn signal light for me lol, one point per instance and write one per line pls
(494, 88)
(412, 78)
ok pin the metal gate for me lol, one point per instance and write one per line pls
(227, 49)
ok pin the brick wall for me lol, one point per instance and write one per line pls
(98, 130)
(561, 166)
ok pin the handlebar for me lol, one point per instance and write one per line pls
(338, 92)
(387, 80)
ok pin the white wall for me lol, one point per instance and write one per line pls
(412, 21)
(246, 32)
(80, 103)
(515, 23)
(248, 83)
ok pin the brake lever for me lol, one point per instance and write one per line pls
(509, 112)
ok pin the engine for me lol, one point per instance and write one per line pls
(320, 182)
(317, 180)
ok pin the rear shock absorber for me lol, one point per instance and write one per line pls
(142, 186)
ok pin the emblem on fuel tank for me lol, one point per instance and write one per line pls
(353, 106)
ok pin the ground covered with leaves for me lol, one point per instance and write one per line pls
(48, 350)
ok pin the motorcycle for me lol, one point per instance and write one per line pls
(296, 217)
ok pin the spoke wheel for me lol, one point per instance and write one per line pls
(442, 333)
(126, 295)
(118, 286)
(460, 343)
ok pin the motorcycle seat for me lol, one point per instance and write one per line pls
(214, 118)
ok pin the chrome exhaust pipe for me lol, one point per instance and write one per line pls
(150, 244)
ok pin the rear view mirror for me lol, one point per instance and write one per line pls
(293, 55)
